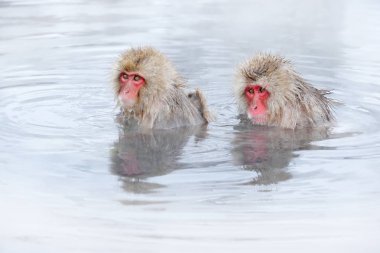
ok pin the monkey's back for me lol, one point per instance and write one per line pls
(179, 109)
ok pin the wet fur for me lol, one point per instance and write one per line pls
(292, 103)
(162, 101)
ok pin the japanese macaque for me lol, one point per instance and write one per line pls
(151, 92)
(269, 92)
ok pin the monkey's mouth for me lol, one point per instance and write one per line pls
(257, 113)
(126, 102)
(259, 119)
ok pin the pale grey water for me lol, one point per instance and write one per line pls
(72, 181)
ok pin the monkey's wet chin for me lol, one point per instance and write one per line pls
(127, 103)
(258, 119)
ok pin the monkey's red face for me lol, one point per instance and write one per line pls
(257, 97)
(130, 84)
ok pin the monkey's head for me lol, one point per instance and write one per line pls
(266, 89)
(142, 75)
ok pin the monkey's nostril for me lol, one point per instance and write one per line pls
(255, 108)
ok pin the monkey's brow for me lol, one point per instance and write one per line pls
(138, 60)
(251, 74)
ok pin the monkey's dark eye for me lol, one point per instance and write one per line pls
(251, 91)
(261, 89)
(137, 78)
(124, 76)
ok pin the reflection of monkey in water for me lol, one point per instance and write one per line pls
(267, 151)
(138, 155)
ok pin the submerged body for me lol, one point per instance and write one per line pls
(151, 93)
(269, 92)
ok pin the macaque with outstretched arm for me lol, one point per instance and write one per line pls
(151, 92)
(269, 92)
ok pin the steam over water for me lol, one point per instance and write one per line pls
(73, 180)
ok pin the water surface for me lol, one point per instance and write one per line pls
(73, 180)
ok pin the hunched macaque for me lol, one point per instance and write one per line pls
(269, 92)
(151, 93)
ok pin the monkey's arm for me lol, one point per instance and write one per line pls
(199, 101)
